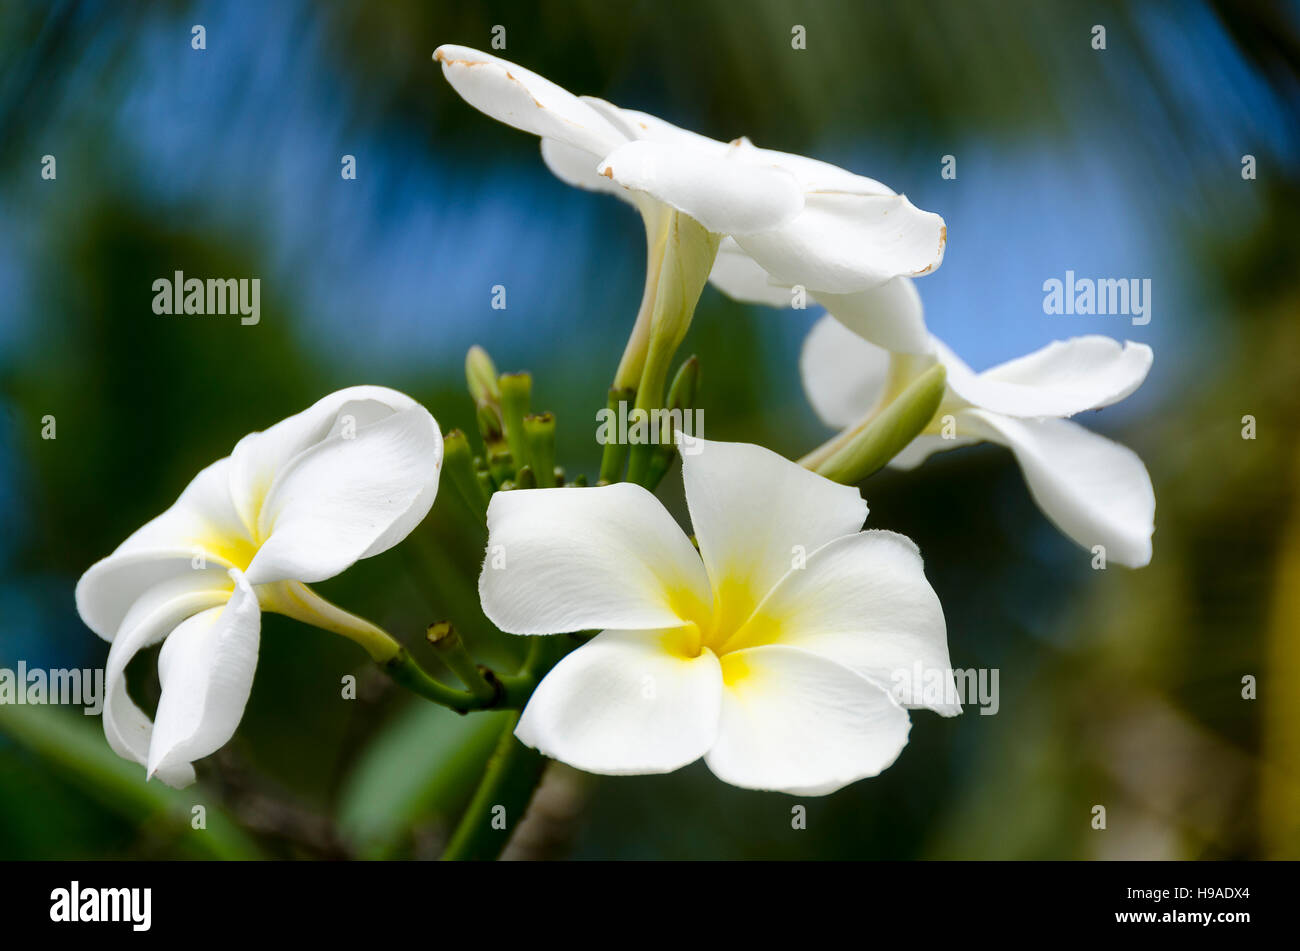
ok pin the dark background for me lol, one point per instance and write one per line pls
(1120, 688)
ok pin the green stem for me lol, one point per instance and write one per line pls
(858, 452)
(613, 456)
(294, 599)
(513, 772)
(512, 775)
(516, 394)
(509, 692)
(451, 649)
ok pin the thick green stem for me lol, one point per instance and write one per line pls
(613, 456)
(512, 775)
(865, 448)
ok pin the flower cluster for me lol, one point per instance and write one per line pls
(769, 643)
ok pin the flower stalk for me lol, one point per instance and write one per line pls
(688, 259)
(864, 449)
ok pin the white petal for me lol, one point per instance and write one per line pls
(641, 125)
(724, 195)
(812, 174)
(843, 243)
(578, 559)
(150, 619)
(206, 669)
(889, 316)
(577, 167)
(755, 513)
(350, 496)
(863, 601)
(260, 457)
(521, 98)
(797, 722)
(1061, 379)
(927, 444)
(202, 523)
(738, 276)
(843, 375)
(626, 702)
(1096, 491)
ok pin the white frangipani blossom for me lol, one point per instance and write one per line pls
(346, 479)
(1095, 490)
(773, 652)
(786, 219)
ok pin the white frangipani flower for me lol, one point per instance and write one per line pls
(785, 218)
(1095, 490)
(774, 652)
(347, 478)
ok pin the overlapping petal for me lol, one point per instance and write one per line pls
(738, 276)
(259, 458)
(725, 195)
(201, 526)
(889, 316)
(797, 722)
(588, 558)
(345, 479)
(206, 670)
(802, 221)
(842, 243)
(150, 619)
(754, 514)
(863, 601)
(627, 702)
(349, 496)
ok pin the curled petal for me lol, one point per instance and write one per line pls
(843, 243)
(153, 616)
(522, 99)
(723, 194)
(1096, 491)
(206, 670)
(626, 702)
(1061, 379)
(354, 494)
(259, 458)
(796, 722)
(580, 559)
